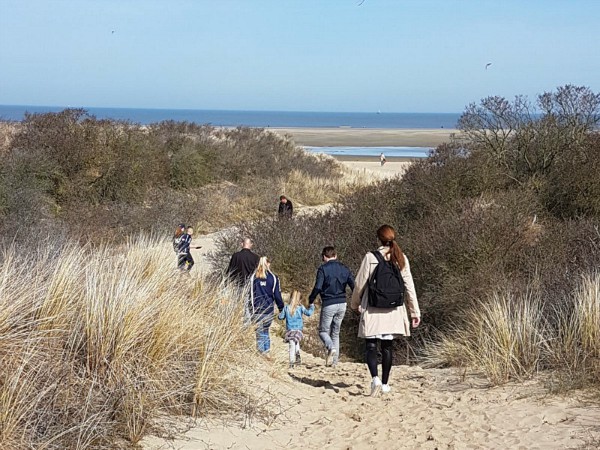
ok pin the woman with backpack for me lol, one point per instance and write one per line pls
(384, 289)
(265, 292)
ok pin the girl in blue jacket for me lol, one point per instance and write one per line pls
(265, 293)
(294, 325)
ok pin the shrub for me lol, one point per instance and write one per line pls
(104, 179)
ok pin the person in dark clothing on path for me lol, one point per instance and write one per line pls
(332, 279)
(184, 254)
(243, 263)
(286, 209)
(265, 292)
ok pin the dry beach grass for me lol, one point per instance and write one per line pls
(98, 347)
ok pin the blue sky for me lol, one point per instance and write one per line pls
(306, 55)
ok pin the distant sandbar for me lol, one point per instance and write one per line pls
(367, 137)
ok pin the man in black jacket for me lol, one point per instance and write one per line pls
(285, 208)
(332, 279)
(243, 263)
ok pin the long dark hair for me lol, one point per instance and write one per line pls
(179, 231)
(387, 236)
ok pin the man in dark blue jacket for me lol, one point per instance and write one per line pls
(332, 279)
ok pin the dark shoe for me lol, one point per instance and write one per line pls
(291, 365)
(298, 359)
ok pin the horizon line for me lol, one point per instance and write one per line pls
(227, 110)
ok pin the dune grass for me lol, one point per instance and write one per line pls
(513, 337)
(96, 345)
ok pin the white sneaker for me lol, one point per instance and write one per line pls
(375, 387)
(330, 358)
(385, 388)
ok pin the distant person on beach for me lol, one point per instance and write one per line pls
(292, 313)
(243, 263)
(382, 159)
(384, 278)
(265, 293)
(185, 262)
(331, 282)
(286, 209)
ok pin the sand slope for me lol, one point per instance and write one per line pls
(321, 407)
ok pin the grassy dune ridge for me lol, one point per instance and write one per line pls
(98, 345)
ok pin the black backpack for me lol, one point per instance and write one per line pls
(386, 286)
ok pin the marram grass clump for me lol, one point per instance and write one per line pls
(96, 345)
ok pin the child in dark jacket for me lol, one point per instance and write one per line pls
(294, 325)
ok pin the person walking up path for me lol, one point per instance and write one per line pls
(383, 324)
(264, 294)
(331, 282)
(294, 325)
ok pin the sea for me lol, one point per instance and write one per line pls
(266, 119)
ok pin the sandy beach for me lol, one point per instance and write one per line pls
(367, 137)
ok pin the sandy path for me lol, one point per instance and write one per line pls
(324, 407)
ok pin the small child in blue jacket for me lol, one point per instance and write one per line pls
(292, 313)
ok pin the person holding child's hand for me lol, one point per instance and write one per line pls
(265, 293)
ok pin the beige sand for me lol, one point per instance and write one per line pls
(367, 137)
(374, 169)
(322, 407)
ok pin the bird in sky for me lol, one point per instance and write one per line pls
(487, 65)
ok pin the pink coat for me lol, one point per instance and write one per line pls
(378, 321)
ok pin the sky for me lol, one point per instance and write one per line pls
(293, 55)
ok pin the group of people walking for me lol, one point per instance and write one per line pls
(383, 293)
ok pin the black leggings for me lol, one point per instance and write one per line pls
(183, 259)
(386, 358)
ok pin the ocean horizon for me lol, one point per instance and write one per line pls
(262, 119)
